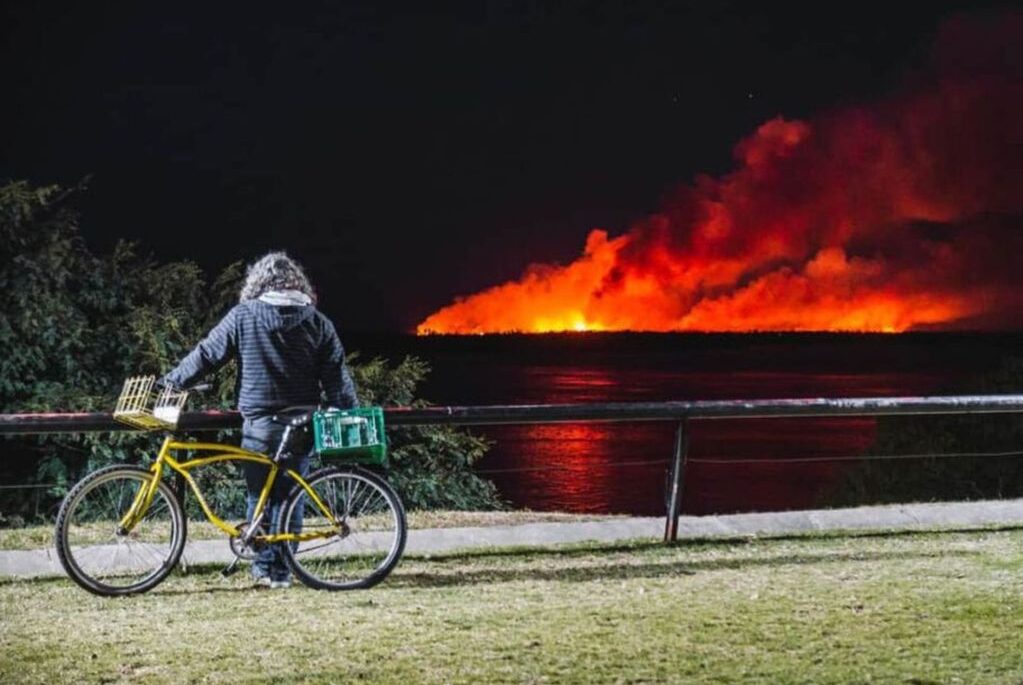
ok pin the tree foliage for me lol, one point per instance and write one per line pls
(444, 453)
(74, 324)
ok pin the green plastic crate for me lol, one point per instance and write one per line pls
(351, 435)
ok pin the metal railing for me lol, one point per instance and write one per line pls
(679, 412)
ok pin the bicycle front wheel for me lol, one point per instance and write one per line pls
(353, 536)
(99, 551)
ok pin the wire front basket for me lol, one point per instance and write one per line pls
(142, 405)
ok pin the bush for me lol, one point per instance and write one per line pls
(75, 324)
(431, 466)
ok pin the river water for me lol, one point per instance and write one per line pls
(736, 465)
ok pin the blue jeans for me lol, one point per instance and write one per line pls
(263, 435)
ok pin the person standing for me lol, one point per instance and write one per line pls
(289, 354)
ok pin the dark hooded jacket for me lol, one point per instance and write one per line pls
(287, 356)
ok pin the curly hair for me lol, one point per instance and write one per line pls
(275, 271)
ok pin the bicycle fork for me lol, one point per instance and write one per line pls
(143, 498)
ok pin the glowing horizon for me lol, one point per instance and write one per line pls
(890, 217)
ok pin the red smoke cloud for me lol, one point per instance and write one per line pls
(900, 215)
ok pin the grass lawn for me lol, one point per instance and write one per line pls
(36, 536)
(902, 608)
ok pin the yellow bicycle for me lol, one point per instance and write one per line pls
(121, 530)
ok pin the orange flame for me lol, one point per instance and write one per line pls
(903, 215)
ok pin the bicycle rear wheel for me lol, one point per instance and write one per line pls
(360, 546)
(101, 556)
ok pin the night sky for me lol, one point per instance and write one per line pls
(410, 155)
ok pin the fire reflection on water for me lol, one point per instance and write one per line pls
(622, 467)
(580, 466)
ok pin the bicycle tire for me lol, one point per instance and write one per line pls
(109, 562)
(374, 537)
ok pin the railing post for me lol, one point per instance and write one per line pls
(678, 468)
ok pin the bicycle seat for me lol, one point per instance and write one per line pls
(295, 417)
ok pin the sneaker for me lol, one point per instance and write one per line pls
(280, 584)
(261, 578)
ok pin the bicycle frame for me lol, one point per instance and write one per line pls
(144, 497)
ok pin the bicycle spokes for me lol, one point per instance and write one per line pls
(117, 535)
(349, 531)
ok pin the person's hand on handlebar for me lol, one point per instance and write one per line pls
(198, 387)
